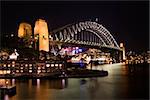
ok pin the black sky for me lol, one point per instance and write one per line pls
(128, 21)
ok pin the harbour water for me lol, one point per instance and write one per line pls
(120, 84)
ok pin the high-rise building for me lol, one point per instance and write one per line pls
(41, 35)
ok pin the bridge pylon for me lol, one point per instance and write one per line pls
(41, 35)
(123, 51)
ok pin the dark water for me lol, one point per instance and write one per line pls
(119, 84)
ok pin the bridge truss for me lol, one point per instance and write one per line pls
(85, 33)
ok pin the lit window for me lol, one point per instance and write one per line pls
(56, 64)
(1, 72)
(13, 65)
(4, 65)
(30, 65)
(8, 65)
(17, 71)
(39, 67)
(13, 62)
(30, 71)
(21, 71)
(26, 65)
(52, 65)
(39, 71)
(8, 71)
(47, 65)
(4, 71)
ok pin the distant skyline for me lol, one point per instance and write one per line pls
(128, 21)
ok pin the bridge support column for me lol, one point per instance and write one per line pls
(123, 52)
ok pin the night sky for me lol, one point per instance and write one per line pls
(128, 22)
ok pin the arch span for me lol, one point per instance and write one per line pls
(87, 33)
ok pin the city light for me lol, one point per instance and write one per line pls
(47, 65)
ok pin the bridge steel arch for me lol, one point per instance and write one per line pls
(87, 33)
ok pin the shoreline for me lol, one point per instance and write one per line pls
(89, 73)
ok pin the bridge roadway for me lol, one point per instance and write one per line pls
(82, 44)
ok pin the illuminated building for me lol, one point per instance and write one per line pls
(123, 49)
(14, 55)
(24, 29)
(25, 32)
(41, 35)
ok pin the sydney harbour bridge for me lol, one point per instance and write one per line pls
(85, 34)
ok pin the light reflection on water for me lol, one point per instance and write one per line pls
(117, 85)
(6, 97)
